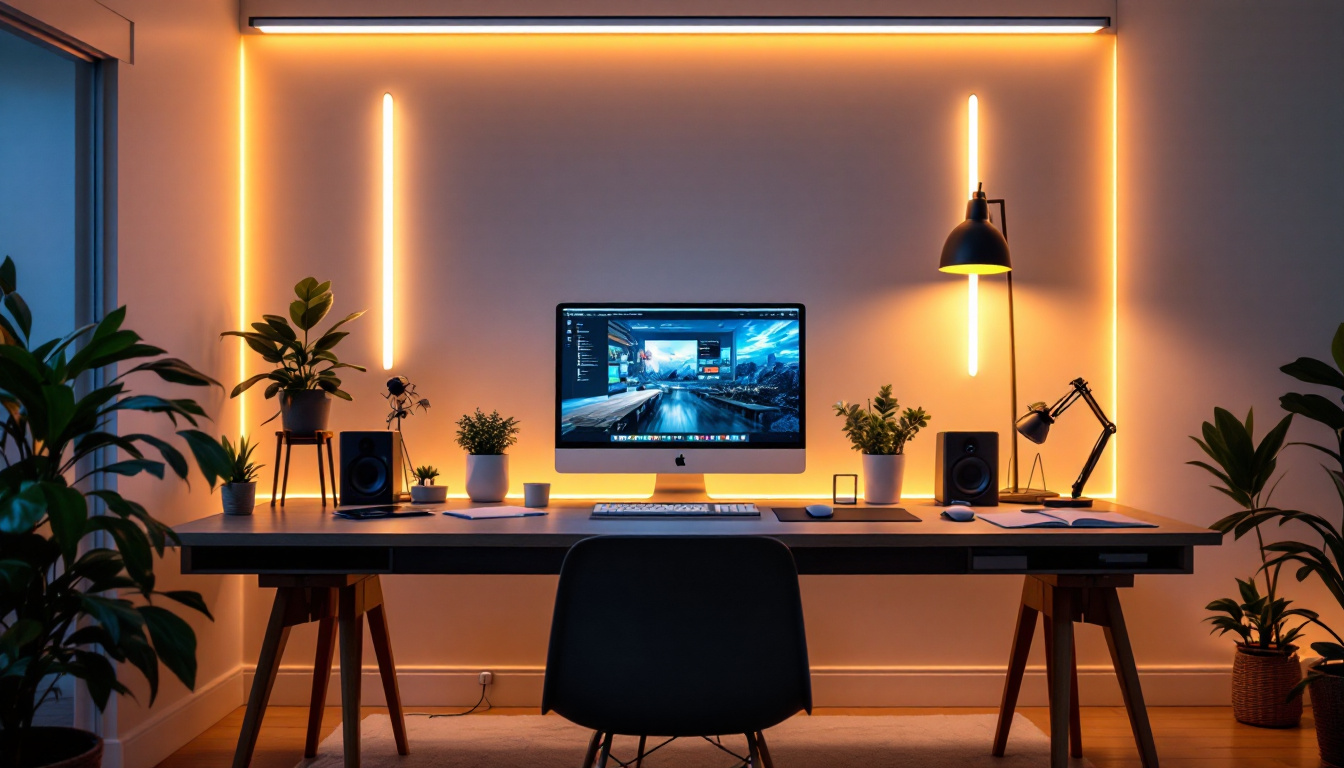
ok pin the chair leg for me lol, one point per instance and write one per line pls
(1017, 666)
(387, 670)
(639, 758)
(606, 752)
(321, 474)
(326, 648)
(753, 752)
(331, 471)
(591, 754)
(284, 485)
(766, 762)
(272, 648)
(275, 480)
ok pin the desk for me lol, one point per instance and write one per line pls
(1071, 575)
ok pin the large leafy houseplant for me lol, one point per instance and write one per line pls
(77, 585)
(302, 364)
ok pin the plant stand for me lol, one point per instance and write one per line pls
(286, 439)
(338, 603)
(1064, 600)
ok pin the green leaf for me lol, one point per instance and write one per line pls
(9, 279)
(174, 641)
(1314, 407)
(133, 545)
(19, 634)
(1312, 371)
(171, 456)
(24, 510)
(248, 383)
(133, 467)
(68, 513)
(1337, 347)
(281, 327)
(114, 615)
(210, 456)
(192, 600)
(315, 311)
(329, 340)
(18, 308)
(1329, 651)
(176, 371)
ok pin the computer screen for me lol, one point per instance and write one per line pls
(679, 376)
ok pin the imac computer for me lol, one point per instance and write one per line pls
(680, 390)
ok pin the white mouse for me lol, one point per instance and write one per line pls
(819, 510)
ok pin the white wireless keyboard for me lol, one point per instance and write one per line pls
(675, 510)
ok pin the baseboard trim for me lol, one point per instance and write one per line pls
(434, 686)
(170, 728)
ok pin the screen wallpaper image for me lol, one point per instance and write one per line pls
(680, 377)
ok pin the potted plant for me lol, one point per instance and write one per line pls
(485, 438)
(1323, 559)
(881, 437)
(425, 491)
(239, 490)
(1266, 667)
(69, 605)
(305, 371)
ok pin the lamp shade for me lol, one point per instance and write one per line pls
(976, 246)
(1035, 425)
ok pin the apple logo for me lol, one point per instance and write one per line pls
(681, 460)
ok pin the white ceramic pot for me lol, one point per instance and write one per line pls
(882, 476)
(487, 477)
(429, 494)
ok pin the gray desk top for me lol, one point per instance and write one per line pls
(305, 523)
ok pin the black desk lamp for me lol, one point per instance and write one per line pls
(976, 247)
(1035, 426)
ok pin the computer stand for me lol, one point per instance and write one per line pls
(679, 488)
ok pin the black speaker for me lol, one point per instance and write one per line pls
(371, 467)
(966, 468)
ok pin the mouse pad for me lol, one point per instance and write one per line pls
(845, 514)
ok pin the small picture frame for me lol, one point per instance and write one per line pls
(852, 497)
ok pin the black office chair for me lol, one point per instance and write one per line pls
(677, 636)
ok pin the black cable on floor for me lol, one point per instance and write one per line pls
(474, 708)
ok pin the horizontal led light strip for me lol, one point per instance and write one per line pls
(694, 25)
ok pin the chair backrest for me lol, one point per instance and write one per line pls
(678, 636)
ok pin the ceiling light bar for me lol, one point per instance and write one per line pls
(694, 25)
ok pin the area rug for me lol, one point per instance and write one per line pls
(497, 741)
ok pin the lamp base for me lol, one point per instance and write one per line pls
(1025, 496)
(1063, 501)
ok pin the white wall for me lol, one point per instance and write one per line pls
(177, 249)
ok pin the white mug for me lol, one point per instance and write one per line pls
(536, 494)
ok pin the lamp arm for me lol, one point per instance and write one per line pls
(1107, 429)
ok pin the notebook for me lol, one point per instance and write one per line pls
(493, 513)
(1062, 518)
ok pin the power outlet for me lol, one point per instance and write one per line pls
(485, 678)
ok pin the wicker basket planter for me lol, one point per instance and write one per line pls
(1260, 685)
(1327, 709)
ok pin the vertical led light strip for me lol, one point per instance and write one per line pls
(387, 231)
(1115, 258)
(242, 230)
(972, 281)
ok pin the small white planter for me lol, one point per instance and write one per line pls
(882, 476)
(429, 494)
(487, 477)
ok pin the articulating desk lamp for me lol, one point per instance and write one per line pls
(1035, 426)
(976, 247)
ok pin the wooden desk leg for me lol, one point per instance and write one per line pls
(272, 648)
(351, 623)
(1075, 714)
(1060, 625)
(275, 480)
(1017, 665)
(387, 670)
(321, 477)
(1122, 656)
(326, 648)
(284, 486)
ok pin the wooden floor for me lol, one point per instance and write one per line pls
(1187, 737)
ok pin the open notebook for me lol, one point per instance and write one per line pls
(1063, 518)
